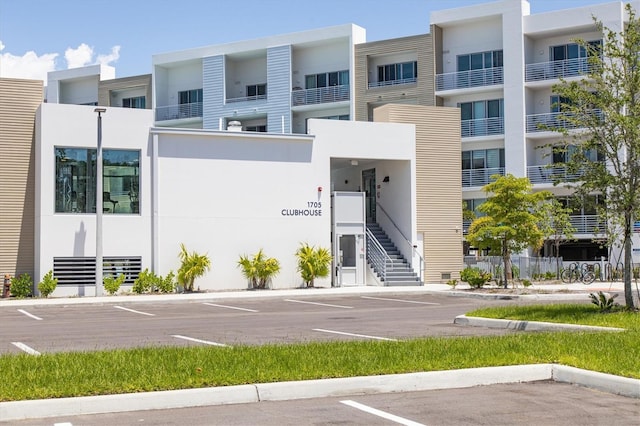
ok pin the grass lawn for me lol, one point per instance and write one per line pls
(150, 369)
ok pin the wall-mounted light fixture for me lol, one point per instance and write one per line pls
(386, 179)
(354, 162)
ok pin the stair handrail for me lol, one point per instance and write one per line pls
(413, 248)
(377, 255)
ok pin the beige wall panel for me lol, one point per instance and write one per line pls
(19, 100)
(438, 183)
(106, 86)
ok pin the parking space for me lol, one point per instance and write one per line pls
(536, 403)
(233, 322)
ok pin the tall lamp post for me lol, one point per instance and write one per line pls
(99, 203)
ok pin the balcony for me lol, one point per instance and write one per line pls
(177, 112)
(398, 82)
(548, 122)
(480, 177)
(320, 95)
(557, 69)
(469, 79)
(548, 174)
(588, 224)
(482, 127)
(247, 99)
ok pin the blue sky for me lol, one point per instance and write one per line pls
(37, 36)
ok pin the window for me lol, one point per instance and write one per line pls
(565, 155)
(336, 78)
(402, 71)
(473, 204)
(483, 159)
(574, 51)
(257, 91)
(190, 96)
(480, 60)
(558, 103)
(259, 128)
(137, 102)
(76, 181)
(481, 109)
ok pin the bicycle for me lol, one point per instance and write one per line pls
(578, 273)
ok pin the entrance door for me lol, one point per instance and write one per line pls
(369, 185)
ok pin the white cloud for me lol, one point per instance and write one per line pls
(29, 65)
(111, 57)
(78, 57)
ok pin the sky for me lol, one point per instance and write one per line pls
(38, 36)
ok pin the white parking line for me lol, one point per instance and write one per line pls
(22, 311)
(230, 307)
(206, 342)
(319, 304)
(354, 335)
(134, 311)
(380, 413)
(25, 348)
(400, 300)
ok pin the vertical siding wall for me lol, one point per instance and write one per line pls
(212, 92)
(421, 93)
(19, 100)
(438, 183)
(279, 88)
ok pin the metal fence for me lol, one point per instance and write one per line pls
(527, 267)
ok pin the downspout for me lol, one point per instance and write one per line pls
(154, 204)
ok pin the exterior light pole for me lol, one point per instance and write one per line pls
(99, 199)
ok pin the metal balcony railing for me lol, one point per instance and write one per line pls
(320, 95)
(465, 226)
(557, 69)
(175, 112)
(392, 82)
(247, 99)
(551, 174)
(377, 256)
(480, 177)
(588, 224)
(552, 120)
(482, 127)
(468, 79)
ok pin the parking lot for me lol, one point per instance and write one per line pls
(81, 327)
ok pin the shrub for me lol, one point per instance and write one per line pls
(603, 301)
(112, 284)
(549, 275)
(193, 266)
(313, 263)
(22, 286)
(145, 282)
(166, 284)
(259, 269)
(452, 282)
(48, 284)
(526, 283)
(475, 276)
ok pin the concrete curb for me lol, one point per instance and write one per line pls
(527, 325)
(434, 380)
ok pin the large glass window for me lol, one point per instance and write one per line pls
(257, 90)
(325, 79)
(76, 181)
(137, 102)
(483, 159)
(402, 71)
(190, 96)
(480, 60)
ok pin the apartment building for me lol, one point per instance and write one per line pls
(498, 64)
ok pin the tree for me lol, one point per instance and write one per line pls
(556, 226)
(606, 106)
(512, 219)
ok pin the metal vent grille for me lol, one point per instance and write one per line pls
(81, 271)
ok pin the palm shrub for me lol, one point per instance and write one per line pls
(313, 263)
(258, 269)
(193, 266)
(22, 286)
(48, 284)
(112, 284)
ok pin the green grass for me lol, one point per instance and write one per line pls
(149, 369)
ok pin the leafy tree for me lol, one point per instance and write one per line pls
(512, 219)
(606, 104)
(556, 226)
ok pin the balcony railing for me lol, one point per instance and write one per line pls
(557, 69)
(176, 112)
(479, 177)
(552, 120)
(468, 79)
(588, 224)
(247, 99)
(392, 82)
(551, 174)
(482, 127)
(320, 95)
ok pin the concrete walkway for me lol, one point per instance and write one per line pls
(17, 410)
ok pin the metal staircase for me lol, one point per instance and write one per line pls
(385, 259)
